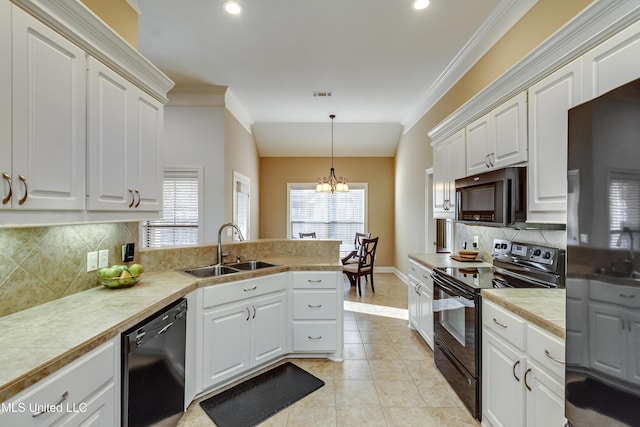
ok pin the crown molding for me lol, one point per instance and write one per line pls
(238, 111)
(200, 95)
(76, 22)
(595, 24)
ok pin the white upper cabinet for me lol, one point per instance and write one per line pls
(549, 102)
(48, 129)
(499, 138)
(612, 63)
(124, 128)
(5, 101)
(448, 165)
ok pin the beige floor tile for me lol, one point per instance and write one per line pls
(324, 396)
(375, 336)
(321, 368)
(422, 369)
(353, 370)
(356, 393)
(354, 351)
(351, 325)
(393, 370)
(437, 393)
(352, 337)
(312, 416)
(409, 417)
(360, 416)
(453, 417)
(412, 350)
(399, 394)
(377, 351)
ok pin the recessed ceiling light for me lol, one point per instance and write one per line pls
(232, 7)
(419, 4)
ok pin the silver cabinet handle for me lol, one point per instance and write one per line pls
(314, 281)
(250, 289)
(8, 179)
(314, 306)
(165, 329)
(26, 190)
(627, 296)
(515, 365)
(315, 338)
(64, 397)
(502, 325)
(487, 162)
(548, 354)
(133, 198)
(248, 314)
(254, 311)
(138, 202)
(525, 379)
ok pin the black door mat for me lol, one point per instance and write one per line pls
(253, 401)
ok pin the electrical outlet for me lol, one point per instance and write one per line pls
(103, 258)
(475, 241)
(92, 261)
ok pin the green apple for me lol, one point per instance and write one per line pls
(125, 278)
(105, 273)
(136, 269)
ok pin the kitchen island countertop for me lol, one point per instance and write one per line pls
(443, 260)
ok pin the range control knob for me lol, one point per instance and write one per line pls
(537, 252)
(547, 255)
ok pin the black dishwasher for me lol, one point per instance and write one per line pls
(153, 359)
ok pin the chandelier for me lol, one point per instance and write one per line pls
(331, 184)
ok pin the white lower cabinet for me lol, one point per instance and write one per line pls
(421, 301)
(246, 331)
(522, 372)
(84, 393)
(316, 307)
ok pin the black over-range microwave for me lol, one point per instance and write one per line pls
(497, 198)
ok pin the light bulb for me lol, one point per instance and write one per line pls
(419, 4)
(232, 7)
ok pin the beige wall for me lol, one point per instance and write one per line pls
(241, 155)
(119, 16)
(378, 172)
(546, 17)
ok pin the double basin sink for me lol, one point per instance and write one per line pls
(223, 269)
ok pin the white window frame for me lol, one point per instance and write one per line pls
(241, 184)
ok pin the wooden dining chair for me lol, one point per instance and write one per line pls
(311, 235)
(364, 267)
(353, 256)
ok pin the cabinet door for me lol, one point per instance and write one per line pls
(478, 135)
(612, 63)
(268, 328)
(608, 339)
(425, 311)
(49, 121)
(510, 133)
(226, 345)
(549, 102)
(100, 410)
(145, 173)
(457, 168)
(413, 303)
(502, 386)
(633, 342)
(109, 140)
(440, 180)
(5, 100)
(544, 398)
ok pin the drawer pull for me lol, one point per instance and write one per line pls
(47, 408)
(315, 338)
(26, 190)
(248, 314)
(502, 325)
(314, 306)
(8, 179)
(314, 281)
(627, 296)
(138, 202)
(133, 198)
(514, 370)
(250, 289)
(254, 311)
(526, 374)
(548, 354)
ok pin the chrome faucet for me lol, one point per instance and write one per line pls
(632, 258)
(220, 230)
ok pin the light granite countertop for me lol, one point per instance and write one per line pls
(542, 307)
(40, 340)
(444, 260)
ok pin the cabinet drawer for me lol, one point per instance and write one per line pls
(314, 304)
(505, 324)
(77, 381)
(315, 336)
(314, 280)
(228, 292)
(627, 296)
(419, 272)
(546, 349)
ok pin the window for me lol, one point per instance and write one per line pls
(242, 204)
(332, 216)
(624, 208)
(181, 207)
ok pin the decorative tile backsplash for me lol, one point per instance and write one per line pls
(41, 264)
(486, 235)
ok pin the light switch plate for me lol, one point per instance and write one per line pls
(92, 261)
(103, 258)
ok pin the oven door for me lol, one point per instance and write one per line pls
(456, 316)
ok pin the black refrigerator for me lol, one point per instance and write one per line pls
(602, 374)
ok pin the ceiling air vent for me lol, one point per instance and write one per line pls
(322, 93)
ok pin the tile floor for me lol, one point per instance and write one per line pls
(387, 378)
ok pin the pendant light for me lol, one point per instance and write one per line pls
(331, 184)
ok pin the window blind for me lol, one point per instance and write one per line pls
(180, 212)
(624, 208)
(332, 216)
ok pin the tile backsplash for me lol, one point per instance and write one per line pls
(486, 235)
(41, 264)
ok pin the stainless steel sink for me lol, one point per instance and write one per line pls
(211, 271)
(251, 265)
(604, 271)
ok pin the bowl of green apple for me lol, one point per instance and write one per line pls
(120, 276)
